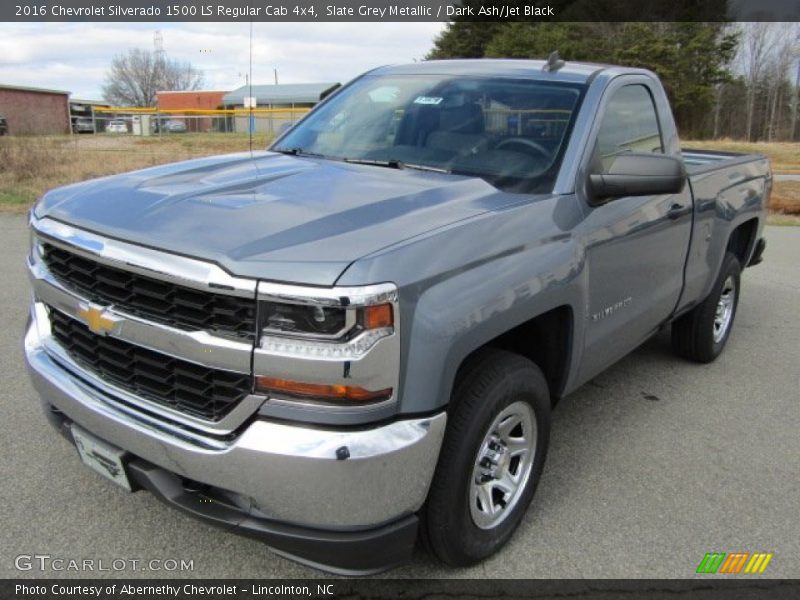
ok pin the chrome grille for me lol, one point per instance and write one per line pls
(178, 384)
(149, 298)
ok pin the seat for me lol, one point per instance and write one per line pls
(460, 131)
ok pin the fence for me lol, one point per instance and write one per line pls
(148, 122)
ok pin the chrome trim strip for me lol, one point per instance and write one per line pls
(132, 403)
(157, 264)
(199, 347)
(336, 296)
(293, 474)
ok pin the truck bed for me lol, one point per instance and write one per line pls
(701, 161)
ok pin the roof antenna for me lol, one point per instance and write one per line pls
(554, 63)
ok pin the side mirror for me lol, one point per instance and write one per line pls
(642, 174)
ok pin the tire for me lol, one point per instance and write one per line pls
(493, 389)
(701, 334)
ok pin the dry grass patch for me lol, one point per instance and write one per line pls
(785, 197)
(29, 166)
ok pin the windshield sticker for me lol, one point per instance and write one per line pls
(428, 100)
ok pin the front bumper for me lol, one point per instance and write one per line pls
(337, 498)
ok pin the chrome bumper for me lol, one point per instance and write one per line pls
(289, 473)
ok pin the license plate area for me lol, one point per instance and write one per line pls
(102, 457)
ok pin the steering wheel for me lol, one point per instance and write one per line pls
(521, 141)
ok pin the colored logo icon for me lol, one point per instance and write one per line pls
(734, 563)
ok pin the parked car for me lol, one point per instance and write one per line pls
(169, 126)
(3, 125)
(83, 125)
(175, 126)
(117, 126)
(369, 346)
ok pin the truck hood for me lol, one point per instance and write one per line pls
(271, 216)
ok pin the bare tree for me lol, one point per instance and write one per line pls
(719, 88)
(796, 89)
(756, 41)
(780, 60)
(134, 78)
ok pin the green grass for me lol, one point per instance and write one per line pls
(15, 197)
(784, 220)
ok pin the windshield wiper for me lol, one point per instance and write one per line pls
(395, 164)
(299, 152)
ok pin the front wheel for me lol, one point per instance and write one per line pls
(701, 334)
(491, 459)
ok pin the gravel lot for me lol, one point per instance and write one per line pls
(651, 465)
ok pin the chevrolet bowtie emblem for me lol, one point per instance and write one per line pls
(95, 319)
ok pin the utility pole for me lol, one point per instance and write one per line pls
(159, 55)
(158, 45)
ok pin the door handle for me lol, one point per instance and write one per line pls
(676, 211)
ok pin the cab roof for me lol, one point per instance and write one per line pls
(571, 72)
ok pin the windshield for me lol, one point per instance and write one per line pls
(510, 132)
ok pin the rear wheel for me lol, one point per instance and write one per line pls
(491, 459)
(701, 334)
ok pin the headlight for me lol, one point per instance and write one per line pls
(322, 322)
(319, 345)
(303, 320)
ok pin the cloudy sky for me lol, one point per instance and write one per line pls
(75, 56)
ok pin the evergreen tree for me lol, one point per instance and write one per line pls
(690, 58)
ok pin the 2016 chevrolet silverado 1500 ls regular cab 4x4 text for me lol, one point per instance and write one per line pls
(354, 339)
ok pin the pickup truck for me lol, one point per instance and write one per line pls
(353, 340)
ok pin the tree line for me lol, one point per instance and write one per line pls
(736, 80)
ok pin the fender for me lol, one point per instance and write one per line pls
(466, 284)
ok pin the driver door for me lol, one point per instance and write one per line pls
(635, 246)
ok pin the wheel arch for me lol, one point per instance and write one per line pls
(742, 241)
(546, 340)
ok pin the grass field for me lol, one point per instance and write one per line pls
(31, 166)
(783, 156)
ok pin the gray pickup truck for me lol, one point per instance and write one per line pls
(354, 339)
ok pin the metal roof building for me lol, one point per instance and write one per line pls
(281, 95)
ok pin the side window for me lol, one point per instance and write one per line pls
(629, 125)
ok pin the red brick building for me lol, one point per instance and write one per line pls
(34, 110)
(192, 100)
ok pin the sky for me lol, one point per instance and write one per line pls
(76, 56)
